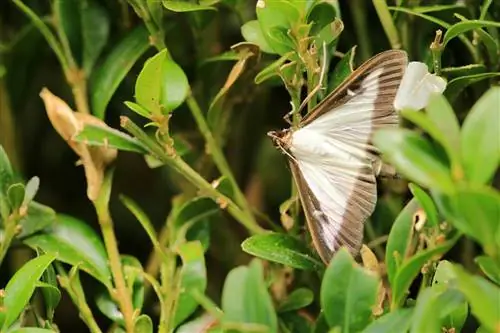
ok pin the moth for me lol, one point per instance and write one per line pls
(331, 156)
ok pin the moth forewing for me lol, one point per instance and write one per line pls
(332, 158)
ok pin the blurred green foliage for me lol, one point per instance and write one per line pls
(194, 86)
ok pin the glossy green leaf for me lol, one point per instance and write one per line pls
(411, 268)
(138, 109)
(67, 13)
(20, 288)
(108, 307)
(272, 70)
(400, 239)
(320, 15)
(162, 85)
(398, 320)
(143, 324)
(414, 157)
(193, 275)
(15, 194)
(75, 243)
(283, 249)
(480, 133)
(461, 27)
(442, 115)
(245, 298)
(456, 86)
(252, 33)
(342, 69)
(426, 203)
(184, 6)
(476, 212)
(95, 31)
(134, 282)
(482, 295)
(275, 18)
(348, 293)
(298, 299)
(110, 138)
(192, 220)
(51, 293)
(30, 190)
(490, 268)
(107, 77)
(425, 317)
(38, 217)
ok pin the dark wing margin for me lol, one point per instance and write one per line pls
(393, 63)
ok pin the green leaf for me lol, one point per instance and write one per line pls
(51, 293)
(437, 8)
(191, 220)
(298, 299)
(414, 157)
(31, 330)
(455, 86)
(138, 109)
(411, 268)
(75, 243)
(475, 211)
(162, 85)
(20, 288)
(442, 115)
(94, 30)
(398, 320)
(68, 15)
(482, 295)
(425, 317)
(461, 27)
(272, 70)
(184, 6)
(283, 249)
(348, 293)
(107, 77)
(426, 203)
(245, 298)
(454, 72)
(30, 190)
(342, 69)
(110, 138)
(400, 239)
(320, 15)
(15, 193)
(108, 307)
(252, 33)
(193, 276)
(143, 324)
(490, 268)
(275, 18)
(480, 143)
(38, 218)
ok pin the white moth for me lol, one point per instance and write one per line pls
(331, 156)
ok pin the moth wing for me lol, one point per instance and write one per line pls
(333, 154)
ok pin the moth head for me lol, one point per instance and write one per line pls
(281, 139)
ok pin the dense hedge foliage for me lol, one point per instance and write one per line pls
(170, 101)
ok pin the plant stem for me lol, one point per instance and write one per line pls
(122, 295)
(9, 233)
(191, 175)
(218, 156)
(387, 23)
(358, 13)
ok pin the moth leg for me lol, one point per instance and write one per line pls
(287, 118)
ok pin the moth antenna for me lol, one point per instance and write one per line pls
(320, 83)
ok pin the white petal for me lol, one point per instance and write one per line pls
(417, 86)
